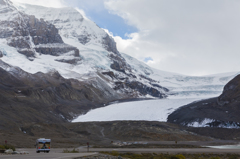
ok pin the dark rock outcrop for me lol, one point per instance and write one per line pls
(147, 78)
(158, 86)
(73, 61)
(56, 49)
(231, 92)
(119, 63)
(42, 32)
(140, 87)
(117, 66)
(110, 74)
(1, 54)
(20, 42)
(132, 87)
(30, 53)
(83, 39)
(109, 44)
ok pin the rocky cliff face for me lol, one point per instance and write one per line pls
(141, 88)
(109, 44)
(222, 111)
(231, 92)
(71, 23)
(29, 34)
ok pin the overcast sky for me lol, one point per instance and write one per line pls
(192, 37)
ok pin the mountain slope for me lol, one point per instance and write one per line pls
(46, 98)
(222, 111)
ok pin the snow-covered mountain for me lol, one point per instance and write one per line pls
(98, 57)
(41, 39)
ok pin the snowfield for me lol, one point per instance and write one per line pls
(150, 110)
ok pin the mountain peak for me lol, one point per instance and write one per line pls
(72, 25)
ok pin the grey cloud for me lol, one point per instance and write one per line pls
(189, 37)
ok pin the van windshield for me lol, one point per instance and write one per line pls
(45, 145)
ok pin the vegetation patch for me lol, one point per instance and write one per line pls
(6, 147)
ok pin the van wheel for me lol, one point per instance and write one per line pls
(38, 151)
(47, 151)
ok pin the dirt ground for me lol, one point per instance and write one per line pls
(104, 134)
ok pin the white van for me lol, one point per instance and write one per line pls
(43, 145)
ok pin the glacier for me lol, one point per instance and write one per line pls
(150, 110)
